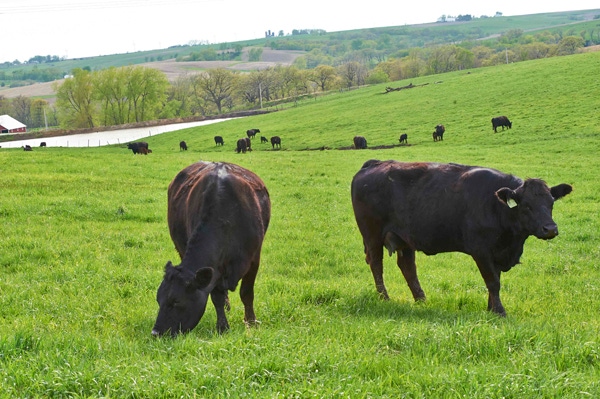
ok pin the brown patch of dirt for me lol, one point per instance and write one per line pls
(270, 58)
(34, 90)
(591, 49)
(351, 147)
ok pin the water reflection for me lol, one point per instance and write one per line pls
(99, 139)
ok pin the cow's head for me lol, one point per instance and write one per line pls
(181, 298)
(533, 202)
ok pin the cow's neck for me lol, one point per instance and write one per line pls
(508, 249)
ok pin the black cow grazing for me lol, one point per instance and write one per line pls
(243, 145)
(219, 140)
(404, 138)
(501, 121)
(263, 139)
(135, 147)
(183, 146)
(252, 132)
(276, 142)
(218, 214)
(43, 144)
(433, 208)
(27, 147)
(360, 143)
(438, 133)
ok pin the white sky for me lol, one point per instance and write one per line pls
(84, 28)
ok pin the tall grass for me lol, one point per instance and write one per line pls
(85, 240)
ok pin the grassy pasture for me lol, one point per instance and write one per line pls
(85, 240)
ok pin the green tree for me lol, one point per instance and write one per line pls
(22, 109)
(254, 54)
(569, 45)
(146, 91)
(38, 109)
(74, 100)
(324, 76)
(215, 86)
(179, 98)
(110, 92)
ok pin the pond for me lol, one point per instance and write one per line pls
(98, 139)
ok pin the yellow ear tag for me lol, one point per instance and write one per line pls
(511, 203)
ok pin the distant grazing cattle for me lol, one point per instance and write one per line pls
(276, 141)
(219, 140)
(43, 144)
(360, 142)
(434, 208)
(404, 138)
(27, 147)
(218, 214)
(135, 147)
(182, 146)
(263, 139)
(243, 145)
(501, 121)
(252, 132)
(438, 133)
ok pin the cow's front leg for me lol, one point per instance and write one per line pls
(491, 276)
(219, 298)
(406, 263)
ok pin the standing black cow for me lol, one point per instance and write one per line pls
(183, 146)
(360, 143)
(404, 138)
(433, 208)
(501, 121)
(276, 142)
(218, 214)
(243, 145)
(219, 140)
(27, 147)
(438, 133)
(43, 144)
(252, 132)
(263, 139)
(135, 147)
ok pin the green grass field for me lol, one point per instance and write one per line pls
(85, 240)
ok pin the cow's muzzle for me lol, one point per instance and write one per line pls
(549, 231)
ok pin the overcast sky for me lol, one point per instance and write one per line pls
(84, 28)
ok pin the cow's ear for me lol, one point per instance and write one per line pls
(560, 191)
(508, 196)
(169, 269)
(204, 277)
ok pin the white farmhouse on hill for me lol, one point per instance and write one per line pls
(9, 124)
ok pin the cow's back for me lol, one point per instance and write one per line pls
(220, 200)
(431, 207)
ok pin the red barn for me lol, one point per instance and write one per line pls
(11, 125)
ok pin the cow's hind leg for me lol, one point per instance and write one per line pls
(374, 257)
(406, 263)
(247, 293)
(219, 299)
